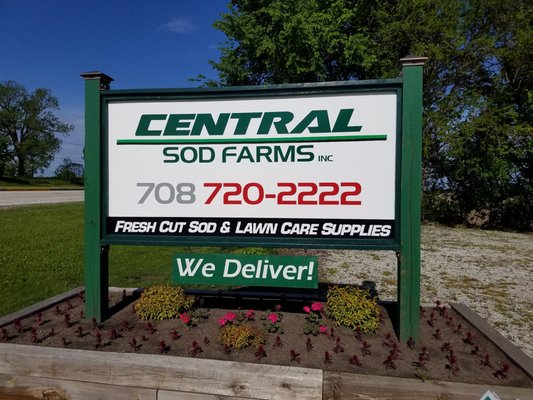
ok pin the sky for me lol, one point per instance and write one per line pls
(140, 44)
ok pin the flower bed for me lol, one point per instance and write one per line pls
(450, 348)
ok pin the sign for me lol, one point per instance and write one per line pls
(310, 167)
(324, 165)
(245, 270)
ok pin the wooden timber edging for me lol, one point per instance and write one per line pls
(53, 373)
(174, 374)
(344, 386)
(513, 352)
(35, 308)
(36, 372)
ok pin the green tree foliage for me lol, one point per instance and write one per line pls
(28, 129)
(478, 135)
(70, 171)
(297, 41)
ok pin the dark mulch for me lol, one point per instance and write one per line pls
(450, 349)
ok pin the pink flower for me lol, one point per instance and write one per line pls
(307, 309)
(222, 321)
(278, 307)
(323, 329)
(230, 316)
(185, 318)
(250, 314)
(272, 318)
(316, 306)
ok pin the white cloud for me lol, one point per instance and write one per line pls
(180, 25)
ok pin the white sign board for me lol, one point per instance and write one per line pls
(320, 166)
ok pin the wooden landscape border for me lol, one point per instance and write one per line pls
(36, 372)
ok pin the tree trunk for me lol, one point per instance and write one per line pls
(21, 170)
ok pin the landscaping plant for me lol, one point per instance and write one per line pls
(313, 318)
(162, 302)
(272, 322)
(352, 307)
(240, 336)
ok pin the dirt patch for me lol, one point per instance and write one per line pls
(449, 349)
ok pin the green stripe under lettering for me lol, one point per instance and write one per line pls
(358, 138)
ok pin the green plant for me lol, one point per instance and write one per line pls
(256, 251)
(162, 302)
(272, 322)
(422, 374)
(352, 307)
(240, 336)
(313, 318)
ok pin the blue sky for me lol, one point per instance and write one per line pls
(141, 44)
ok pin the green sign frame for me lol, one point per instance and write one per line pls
(406, 238)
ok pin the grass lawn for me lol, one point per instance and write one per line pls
(36, 184)
(41, 255)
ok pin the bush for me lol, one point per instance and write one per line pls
(442, 207)
(256, 251)
(353, 307)
(162, 302)
(240, 336)
(70, 171)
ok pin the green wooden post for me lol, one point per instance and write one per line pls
(96, 255)
(410, 199)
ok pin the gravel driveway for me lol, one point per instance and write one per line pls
(489, 271)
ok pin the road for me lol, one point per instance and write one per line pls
(27, 197)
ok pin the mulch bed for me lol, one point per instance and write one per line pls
(450, 349)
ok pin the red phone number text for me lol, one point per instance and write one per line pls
(288, 193)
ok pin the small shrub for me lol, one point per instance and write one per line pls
(240, 336)
(278, 344)
(339, 348)
(365, 348)
(309, 344)
(227, 319)
(195, 349)
(256, 251)
(162, 302)
(134, 345)
(295, 357)
(313, 318)
(260, 353)
(351, 307)
(355, 361)
(272, 322)
(502, 372)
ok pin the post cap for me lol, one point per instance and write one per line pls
(412, 60)
(104, 79)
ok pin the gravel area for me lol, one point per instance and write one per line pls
(489, 271)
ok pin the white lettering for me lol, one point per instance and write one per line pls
(188, 269)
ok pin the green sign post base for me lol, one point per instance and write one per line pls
(410, 200)
(96, 253)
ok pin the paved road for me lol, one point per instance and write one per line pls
(26, 197)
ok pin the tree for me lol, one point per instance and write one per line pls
(478, 137)
(297, 41)
(3, 154)
(70, 171)
(28, 128)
